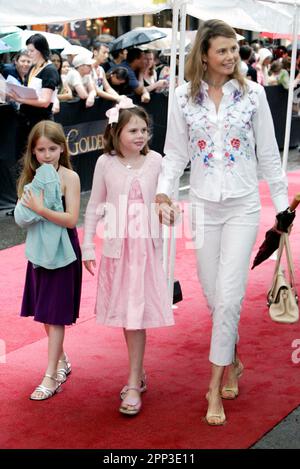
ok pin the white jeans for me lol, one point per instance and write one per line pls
(229, 230)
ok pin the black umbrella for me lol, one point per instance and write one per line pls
(135, 37)
(272, 236)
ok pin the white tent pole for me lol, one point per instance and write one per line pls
(172, 84)
(176, 4)
(291, 91)
(176, 188)
(182, 44)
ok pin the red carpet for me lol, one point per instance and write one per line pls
(84, 414)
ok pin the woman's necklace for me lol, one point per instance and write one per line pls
(36, 70)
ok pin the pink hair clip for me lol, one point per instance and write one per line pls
(113, 113)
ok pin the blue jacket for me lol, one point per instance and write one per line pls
(47, 245)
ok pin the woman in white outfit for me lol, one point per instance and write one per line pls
(222, 123)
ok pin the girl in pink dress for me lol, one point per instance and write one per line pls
(132, 290)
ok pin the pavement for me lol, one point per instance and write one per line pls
(286, 434)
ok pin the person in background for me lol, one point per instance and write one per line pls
(64, 92)
(19, 68)
(57, 60)
(44, 78)
(53, 286)
(274, 72)
(102, 86)
(100, 53)
(263, 65)
(246, 52)
(150, 75)
(222, 123)
(163, 68)
(118, 79)
(117, 58)
(79, 79)
(281, 52)
(135, 66)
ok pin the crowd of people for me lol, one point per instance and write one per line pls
(269, 66)
(109, 75)
(112, 75)
(83, 75)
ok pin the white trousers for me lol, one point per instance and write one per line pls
(227, 231)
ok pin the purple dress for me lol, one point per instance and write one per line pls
(53, 296)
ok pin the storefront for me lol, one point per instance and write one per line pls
(105, 29)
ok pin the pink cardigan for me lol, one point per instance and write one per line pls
(109, 199)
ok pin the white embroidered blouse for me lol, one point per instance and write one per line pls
(224, 147)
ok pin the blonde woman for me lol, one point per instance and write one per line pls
(222, 123)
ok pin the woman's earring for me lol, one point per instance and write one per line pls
(204, 66)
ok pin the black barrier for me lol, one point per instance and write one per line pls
(277, 97)
(84, 130)
(8, 156)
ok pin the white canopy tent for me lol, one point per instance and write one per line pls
(254, 15)
(62, 11)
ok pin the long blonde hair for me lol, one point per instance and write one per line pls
(194, 69)
(53, 132)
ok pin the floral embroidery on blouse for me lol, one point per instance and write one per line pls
(207, 155)
(237, 94)
(234, 129)
(200, 97)
(230, 155)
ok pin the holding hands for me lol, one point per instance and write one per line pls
(168, 212)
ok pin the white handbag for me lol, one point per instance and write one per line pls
(282, 297)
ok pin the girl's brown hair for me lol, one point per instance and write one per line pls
(112, 132)
(194, 69)
(53, 132)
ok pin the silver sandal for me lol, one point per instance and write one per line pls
(63, 373)
(47, 392)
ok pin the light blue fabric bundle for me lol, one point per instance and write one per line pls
(47, 245)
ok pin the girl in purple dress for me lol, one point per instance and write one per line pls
(132, 288)
(52, 295)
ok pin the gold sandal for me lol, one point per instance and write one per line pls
(133, 402)
(210, 417)
(232, 392)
